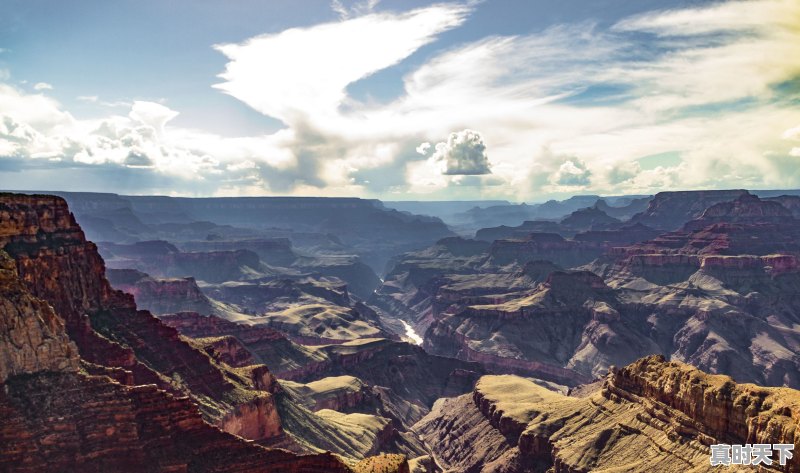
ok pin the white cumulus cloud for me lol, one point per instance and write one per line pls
(464, 153)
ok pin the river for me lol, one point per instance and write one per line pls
(411, 333)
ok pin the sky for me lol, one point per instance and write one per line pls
(399, 100)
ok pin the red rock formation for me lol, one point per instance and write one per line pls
(57, 419)
(32, 336)
(59, 266)
(254, 420)
(72, 422)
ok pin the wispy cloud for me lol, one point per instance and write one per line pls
(42, 86)
(302, 72)
(359, 8)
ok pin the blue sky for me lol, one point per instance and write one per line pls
(523, 100)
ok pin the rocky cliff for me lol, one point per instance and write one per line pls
(32, 336)
(652, 415)
(59, 417)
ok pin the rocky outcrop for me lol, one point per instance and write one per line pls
(254, 420)
(670, 210)
(309, 311)
(590, 218)
(160, 296)
(227, 349)
(32, 336)
(650, 415)
(361, 279)
(338, 393)
(718, 409)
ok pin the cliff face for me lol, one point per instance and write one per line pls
(652, 415)
(32, 336)
(53, 258)
(56, 418)
(72, 422)
(719, 409)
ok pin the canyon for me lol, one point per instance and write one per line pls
(618, 334)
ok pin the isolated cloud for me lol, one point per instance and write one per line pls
(572, 173)
(464, 153)
(42, 86)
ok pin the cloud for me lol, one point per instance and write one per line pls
(572, 173)
(152, 114)
(622, 172)
(303, 72)
(464, 153)
(359, 8)
(42, 86)
(792, 133)
(137, 158)
(44, 147)
(573, 106)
